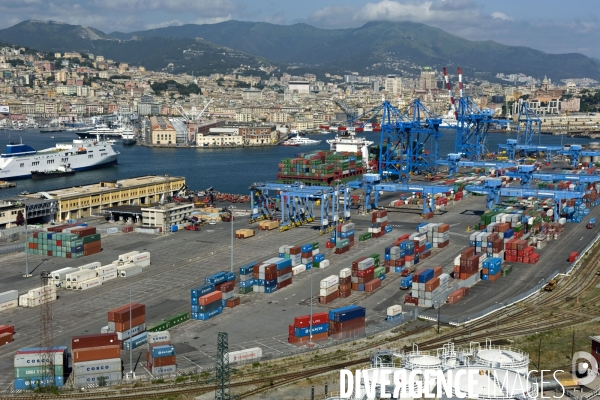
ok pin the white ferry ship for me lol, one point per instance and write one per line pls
(20, 160)
(347, 141)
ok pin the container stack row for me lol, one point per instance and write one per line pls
(161, 360)
(9, 299)
(520, 251)
(38, 296)
(40, 367)
(379, 224)
(96, 358)
(367, 273)
(429, 287)
(275, 273)
(300, 333)
(343, 237)
(320, 167)
(247, 278)
(6, 334)
(169, 322)
(457, 295)
(347, 322)
(206, 302)
(468, 264)
(394, 313)
(69, 243)
(329, 289)
(127, 322)
(492, 269)
(437, 234)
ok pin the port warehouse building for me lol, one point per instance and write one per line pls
(247, 133)
(83, 201)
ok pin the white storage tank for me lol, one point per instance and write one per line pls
(501, 357)
(492, 383)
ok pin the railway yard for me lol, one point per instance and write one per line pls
(182, 260)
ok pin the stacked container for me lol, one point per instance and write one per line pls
(32, 367)
(227, 290)
(492, 268)
(469, 265)
(363, 271)
(67, 245)
(299, 332)
(320, 168)
(345, 282)
(457, 295)
(9, 299)
(161, 360)
(38, 296)
(275, 273)
(520, 251)
(438, 235)
(394, 313)
(430, 286)
(95, 356)
(379, 223)
(127, 321)
(6, 334)
(247, 278)
(347, 322)
(329, 289)
(206, 302)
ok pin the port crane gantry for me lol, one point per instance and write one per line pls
(454, 160)
(575, 152)
(527, 173)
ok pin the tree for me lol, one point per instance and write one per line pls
(20, 219)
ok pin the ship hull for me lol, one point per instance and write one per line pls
(128, 142)
(51, 175)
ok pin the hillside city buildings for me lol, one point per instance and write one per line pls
(70, 87)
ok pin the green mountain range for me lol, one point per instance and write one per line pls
(376, 47)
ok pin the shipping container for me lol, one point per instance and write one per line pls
(26, 384)
(125, 312)
(89, 283)
(110, 276)
(107, 269)
(135, 342)
(81, 275)
(37, 358)
(142, 259)
(109, 378)
(9, 304)
(317, 318)
(130, 270)
(254, 353)
(131, 332)
(96, 353)
(123, 258)
(165, 370)
(36, 372)
(98, 366)
(94, 340)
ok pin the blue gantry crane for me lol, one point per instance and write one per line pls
(493, 189)
(409, 138)
(472, 123)
(372, 186)
(297, 204)
(527, 173)
(528, 141)
(454, 161)
(575, 152)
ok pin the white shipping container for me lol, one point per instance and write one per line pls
(324, 264)
(329, 281)
(61, 275)
(284, 278)
(108, 277)
(254, 353)
(104, 329)
(366, 263)
(131, 332)
(165, 370)
(127, 256)
(142, 259)
(9, 295)
(7, 305)
(94, 265)
(82, 275)
(346, 272)
(315, 252)
(328, 291)
(90, 283)
(298, 269)
(125, 272)
(84, 380)
(24, 300)
(230, 295)
(107, 269)
(158, 337)
(444, 278)
(392, 311)
(40, 300)
(97, 366)
(36, 359)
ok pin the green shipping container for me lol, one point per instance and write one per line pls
(246, 290)
(375, 257)
(178, 318)
(379, 271)
(91, 238)
(163, 326)
(365, 236)
(506, 270)
(342, 243)
(36, 372)
(315, 245)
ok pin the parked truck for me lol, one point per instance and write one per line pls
(591, 223)
(406, 282)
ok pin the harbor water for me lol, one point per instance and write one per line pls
(227, 170)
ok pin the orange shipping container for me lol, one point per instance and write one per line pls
(123, 326)
(6, 338)
(432, 284)
(96, 353)
(437, 271)
(210, 298)
(443, 228)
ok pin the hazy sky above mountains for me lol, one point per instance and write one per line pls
(554, 26)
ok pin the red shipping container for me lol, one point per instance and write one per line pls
(210, 298)
(344, 294)
(96, 353)
(296, 250)
(233, 302)
(432, 284)
(163, 361)
(226, 287)
(365, 272)
(355, 262)
(403, 237)
(318, 318)
(121, 314)
(345, 280)
(94, 340)
(285, 283)
(317, 337)
(307, 254)
(291, 329)
(441, 245)
(345, 287)
(373, 285)
(346, 325)
(6, 338)
(330, 298)
(284, 271)
(355, 286)
(456, 271)
(7, 329)
(84, 231)
(123, 326)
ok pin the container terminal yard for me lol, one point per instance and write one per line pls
(182, 259)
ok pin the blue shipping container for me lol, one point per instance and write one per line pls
(406, 282)
(425, 276)
(202, 290)
(245, 284)
(388, 228)
(398, 269)
(306, 248)
(23, 384)
(247, 269)
(319, 257)
(343, 316)
(303, 332)
(205, 316)
(270, 289)
(206, 308)
(216, 278)
(135, 341)
(230, 276)
(163, 351)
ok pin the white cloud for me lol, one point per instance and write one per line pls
(501, 15)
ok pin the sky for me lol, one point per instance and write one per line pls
(553, 26)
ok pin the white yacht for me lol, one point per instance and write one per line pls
(449, 120)
(300, 141)
(114, 132)
(128, 137)
(20, 160)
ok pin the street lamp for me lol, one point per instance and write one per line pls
(310, 342)
(231, 222)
